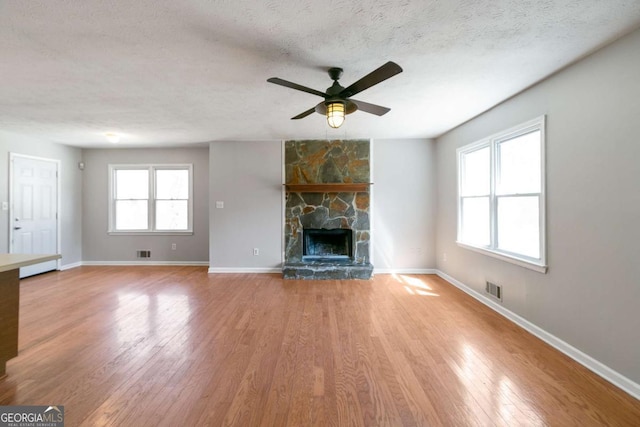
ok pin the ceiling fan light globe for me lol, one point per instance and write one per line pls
(335, 114)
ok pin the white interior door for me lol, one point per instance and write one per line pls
(34, 210)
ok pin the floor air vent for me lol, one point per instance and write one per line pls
(144, 254)
(494, 290)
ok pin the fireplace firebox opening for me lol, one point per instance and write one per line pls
(327, 244)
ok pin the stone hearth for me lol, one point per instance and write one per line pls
(327, 162)
(327, 270)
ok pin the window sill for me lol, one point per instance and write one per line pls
(150, 233)
(540, 268)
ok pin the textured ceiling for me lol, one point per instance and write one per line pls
(170, 72)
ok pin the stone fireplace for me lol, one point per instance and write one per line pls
(327, 230)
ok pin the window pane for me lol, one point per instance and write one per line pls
(519, 165)
(172, 184)
(519, 225)
(475, 172)
(475, 227)
(172, 215)
(132, 184)
(131, 215)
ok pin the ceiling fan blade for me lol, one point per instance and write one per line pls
(371, 108)
(296, 86)
(381, 74)
(305, 114)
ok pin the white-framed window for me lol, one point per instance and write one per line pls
(151, 199)
(501, 195)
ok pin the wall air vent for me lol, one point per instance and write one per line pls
(144, 254)
(494, 290)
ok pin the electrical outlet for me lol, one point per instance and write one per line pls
(219, 205)
(444, 257)
(256, 251)
(5, 206)
(173, 247)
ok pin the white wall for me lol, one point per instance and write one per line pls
(247, 177)
(404, 204)
(591, 294)
(98, 246)
(70, 190)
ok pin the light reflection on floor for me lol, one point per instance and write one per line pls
(414, 285)
(163, 316)
(483, 390)
(475, 372)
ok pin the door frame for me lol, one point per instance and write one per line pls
(57, 162)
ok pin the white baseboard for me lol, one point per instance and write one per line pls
(240, 270)
(70, 266)
(584, 359)
(214, 270)
(155, 263)
(405, 271)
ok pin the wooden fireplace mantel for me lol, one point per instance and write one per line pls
(328, 188)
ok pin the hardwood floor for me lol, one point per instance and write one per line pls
(174, 346)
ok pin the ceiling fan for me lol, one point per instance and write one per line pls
(337, 99)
